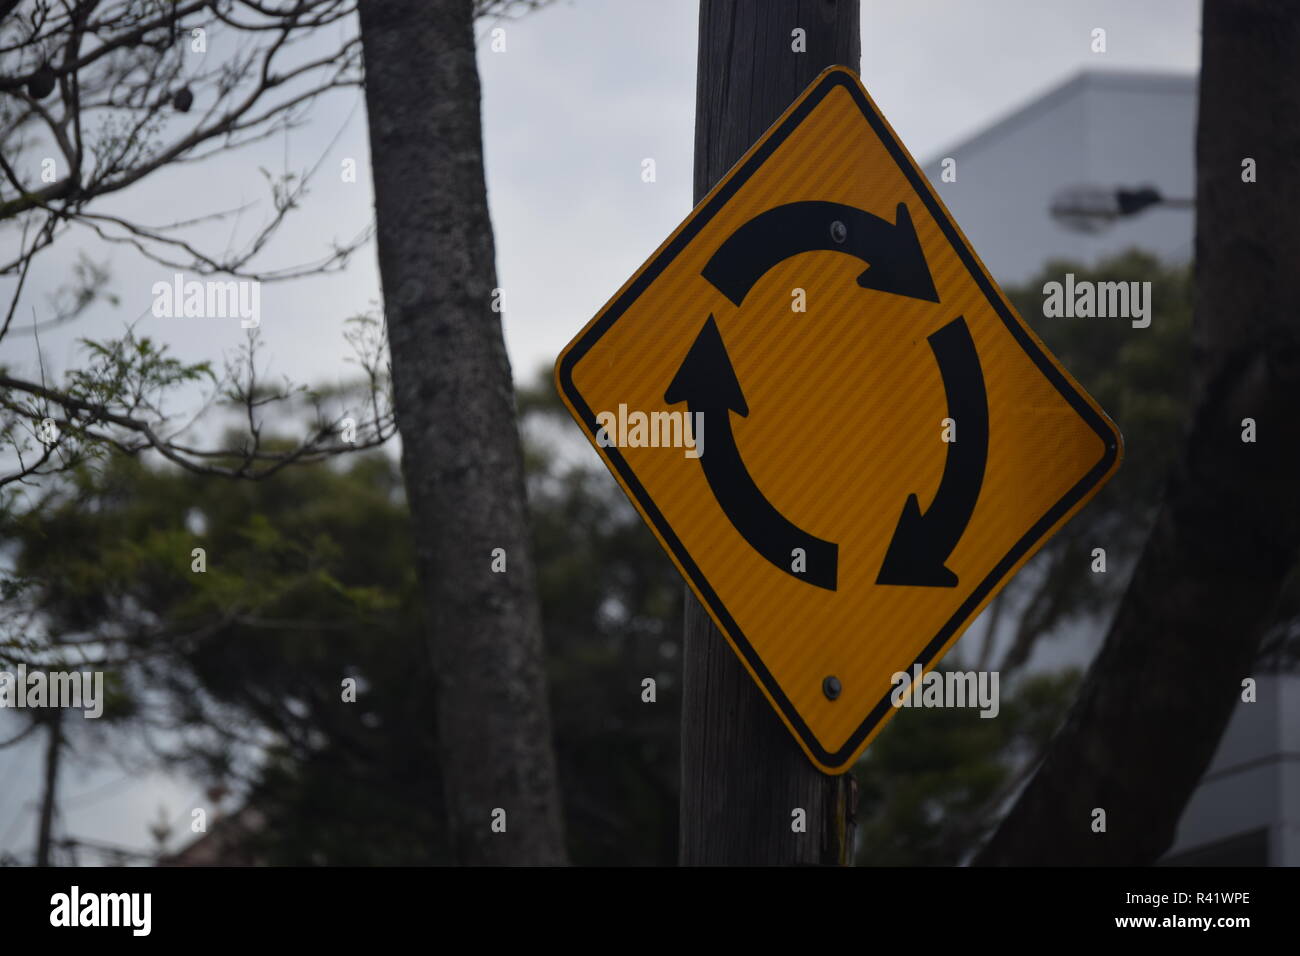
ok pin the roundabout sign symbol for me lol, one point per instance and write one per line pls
(707, 382)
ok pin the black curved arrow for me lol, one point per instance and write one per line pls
(923, 542)
(896, 259)
(707, 383)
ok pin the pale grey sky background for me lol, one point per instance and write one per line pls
(584, 92)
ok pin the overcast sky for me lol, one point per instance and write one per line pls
(584, 92)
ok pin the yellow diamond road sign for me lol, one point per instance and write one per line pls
(832, 419)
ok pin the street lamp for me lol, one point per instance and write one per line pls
(1091, 209)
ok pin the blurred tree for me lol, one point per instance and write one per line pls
(1205, 592)
(1140, 377)
(235, 675)
(933, 782)
(611, 612)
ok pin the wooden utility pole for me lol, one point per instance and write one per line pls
(743, 775)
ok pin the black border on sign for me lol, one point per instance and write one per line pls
(701, 216)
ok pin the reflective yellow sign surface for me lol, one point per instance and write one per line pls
(831, 417)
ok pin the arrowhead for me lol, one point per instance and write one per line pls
(706, 380)
(900, 266)
(912, 558)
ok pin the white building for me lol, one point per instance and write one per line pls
(1246, 810)
(1102, 128)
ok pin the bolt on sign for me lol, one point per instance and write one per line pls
(877, 441)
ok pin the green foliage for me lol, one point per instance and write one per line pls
(130, 374)
(1141, 377)
(310, 580)
(612, 611)
(100, 405)
(932, 783)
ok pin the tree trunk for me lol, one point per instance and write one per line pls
(1155, 702)
(461, 456)
(742, 772)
